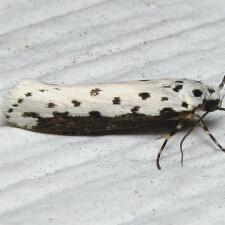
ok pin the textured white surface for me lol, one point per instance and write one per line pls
(47, 179)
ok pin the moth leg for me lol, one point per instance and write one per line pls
(168, 136)
(205, 128)
(198, 121)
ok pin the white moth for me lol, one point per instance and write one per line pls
(111, 108)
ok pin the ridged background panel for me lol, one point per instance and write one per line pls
(110, 180)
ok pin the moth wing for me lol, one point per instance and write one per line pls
(150, 98)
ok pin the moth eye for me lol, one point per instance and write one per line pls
(210, 105)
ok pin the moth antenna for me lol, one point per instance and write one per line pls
(222, 84)
(189, 132)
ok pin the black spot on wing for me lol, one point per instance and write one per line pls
(197, 93)
(95, 91)
(95, 114)
(168, 112)
(116, 101)
(164, 99)
(20, 100)
(144, 95)
(28, 94)
(184, 104)
(178, 87)
(7, 117)
(51, 105)
(58, 89)
(10, 110)
(31, 114)
(59, 115)
(166, 86)
(42, 90)
(143, 80)
(15, 105)
(135, 109)
(179, 81)
(76, 103)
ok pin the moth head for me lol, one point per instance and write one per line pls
(213, 101)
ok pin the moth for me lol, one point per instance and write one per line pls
(113, 107)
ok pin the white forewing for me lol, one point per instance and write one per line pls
(110, 100)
